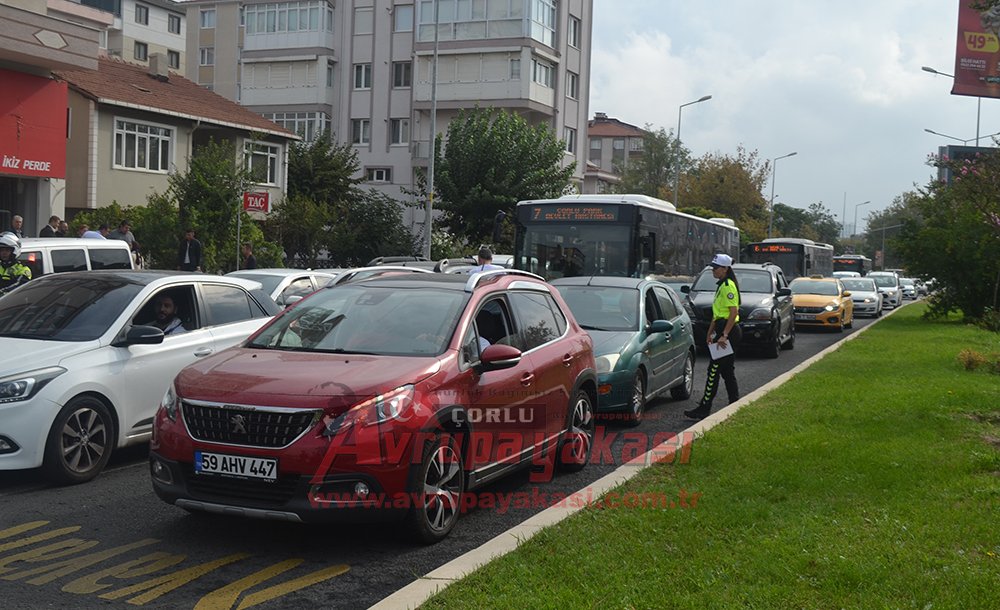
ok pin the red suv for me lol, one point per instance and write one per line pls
(392, 396)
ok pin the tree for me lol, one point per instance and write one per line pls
(209, 195)
(653, 172)
(492, 160)
(953, 235)
(733, 186)
(300, 225)
(322, 171)
(372, 226)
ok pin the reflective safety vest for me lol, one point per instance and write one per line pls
(16, 274)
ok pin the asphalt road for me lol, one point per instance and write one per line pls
(113, 543)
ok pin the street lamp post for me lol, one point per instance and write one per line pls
(774, 172)
(677, 160)
(966, 142)
(855, 229)
(429, 207)
(979, 100)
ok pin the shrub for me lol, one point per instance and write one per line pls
(971, 359)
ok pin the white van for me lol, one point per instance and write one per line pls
(45, 255)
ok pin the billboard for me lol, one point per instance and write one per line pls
(977, 56)
(32, 125)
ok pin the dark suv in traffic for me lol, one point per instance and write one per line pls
(767, 316)
(392, 395)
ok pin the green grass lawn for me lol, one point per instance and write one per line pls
(871, 480)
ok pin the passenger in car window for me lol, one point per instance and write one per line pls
(167, 316)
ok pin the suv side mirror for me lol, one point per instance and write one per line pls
(498, 357)
(784, 292)
(686, 289)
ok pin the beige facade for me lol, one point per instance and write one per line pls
(363, 68)
(611, 145)
(141, 28)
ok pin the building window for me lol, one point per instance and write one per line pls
(635, 144)
(543, 21)
(309, 125)
(208, 18)
(142, 146)
(364, 20)
(402, 18)
(515, 69)
(362, 76)
(400, 129)
(329, 75)
(573, 85)
(142, 14)
(569, 136)
(174, 24)
(206, 56)
(174, 59)
(595, 149)
(141, 51)
(617, 150)
(402, 74)
(262, 162)
(306, 16)
(378, 174)
(541, 73)
(573, 37)
(361, 131)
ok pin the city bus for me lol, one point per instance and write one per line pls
(796, 257)
(618, 235)
(852, 262)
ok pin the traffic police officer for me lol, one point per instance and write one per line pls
(724, 332)
(13, 273)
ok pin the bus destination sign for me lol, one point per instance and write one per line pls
(772, 248)
(575, 213)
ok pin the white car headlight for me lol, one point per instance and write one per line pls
(831, 307)
(23, 386)
(606, 363)
(170, 402)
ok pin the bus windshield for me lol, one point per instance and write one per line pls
(567, 250)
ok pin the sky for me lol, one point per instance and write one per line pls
(839, 83)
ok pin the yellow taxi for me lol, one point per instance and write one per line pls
(822, 302)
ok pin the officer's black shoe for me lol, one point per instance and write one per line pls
(698, 412)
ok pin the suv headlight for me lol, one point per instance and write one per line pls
(391, 405)
(606, 363)
(761, 313)
(23, 386)
(170, 402)
(831, 307)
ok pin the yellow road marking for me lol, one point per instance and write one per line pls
(292, 585)
(224, 598)
(20, 529)
(13, 544)
(56, 550)
(165, 584)
(52, 571)
(147, 564)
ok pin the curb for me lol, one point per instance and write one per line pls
(422, 589)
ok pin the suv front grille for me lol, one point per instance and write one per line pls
(246, 426)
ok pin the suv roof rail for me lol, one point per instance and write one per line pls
(484, 275)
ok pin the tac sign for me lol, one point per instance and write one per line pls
(257, 202)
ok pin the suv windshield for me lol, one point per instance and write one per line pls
(368, 319)
(65, 309)
(750, 280)
(813, 287)
(862, 285)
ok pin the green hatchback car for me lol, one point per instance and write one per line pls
(643, 340)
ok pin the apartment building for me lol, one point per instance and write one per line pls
(363, 69)
(612, 143)
(142, 28)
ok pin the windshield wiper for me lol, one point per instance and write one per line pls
(340, 350)
(589, 327)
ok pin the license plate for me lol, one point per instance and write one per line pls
(239, 466)
(805, 316)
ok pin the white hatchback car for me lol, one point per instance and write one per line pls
(82, 370)
(287, 286)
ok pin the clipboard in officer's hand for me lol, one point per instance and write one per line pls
(716, 352)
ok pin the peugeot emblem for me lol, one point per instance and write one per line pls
(239, 424)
